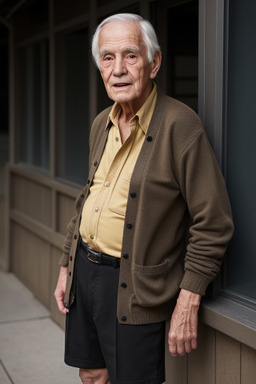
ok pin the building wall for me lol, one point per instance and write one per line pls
(40, 199)
(219, 359)
(39, 211)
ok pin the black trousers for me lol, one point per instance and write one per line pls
(133, 354)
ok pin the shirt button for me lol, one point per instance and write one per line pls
(124, 285)
(107, 184)
(129, 225)
(96, 209)
(117, 138)
(123, 318)
(91, 237)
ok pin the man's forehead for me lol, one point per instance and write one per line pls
(126, 36)
(116, 29)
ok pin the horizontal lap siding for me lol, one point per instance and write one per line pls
(248, 365)
(65, 210)
(219, 359)
(228, 355)
(39, 214)
(30, 261)
(31, 199)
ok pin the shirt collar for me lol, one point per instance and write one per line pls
(143, 115)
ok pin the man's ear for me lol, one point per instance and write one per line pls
(156, 64)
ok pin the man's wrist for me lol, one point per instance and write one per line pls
(187, 297)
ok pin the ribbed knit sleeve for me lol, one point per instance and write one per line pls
(204, 190)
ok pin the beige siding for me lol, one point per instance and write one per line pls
(56, 315)
(31, 198)
(39, 213)
(219, 359)
(248, 365)
(65, 210)
(227, 360)
(201, 363)
(30, 260)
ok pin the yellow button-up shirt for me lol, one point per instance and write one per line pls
(103, 213)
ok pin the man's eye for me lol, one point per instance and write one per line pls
(107, 58)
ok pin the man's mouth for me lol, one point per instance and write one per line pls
(120, 85)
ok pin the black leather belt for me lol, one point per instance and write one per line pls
(99, 257)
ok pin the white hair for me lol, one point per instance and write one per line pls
(147, 30)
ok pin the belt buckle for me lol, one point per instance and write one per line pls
(92, 256)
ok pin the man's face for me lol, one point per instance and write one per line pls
(124, 66)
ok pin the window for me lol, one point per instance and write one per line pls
(34, 104)
(72, 88)
(182, 53)
(241, 154)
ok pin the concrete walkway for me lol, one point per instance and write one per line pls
(31, 344)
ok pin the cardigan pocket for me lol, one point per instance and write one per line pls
(158, 284)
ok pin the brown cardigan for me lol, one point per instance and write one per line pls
(176, 182)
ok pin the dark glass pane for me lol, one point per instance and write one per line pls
(241, 153)
(34, 104)
(73, 103)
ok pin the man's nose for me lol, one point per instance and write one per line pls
(119, 67)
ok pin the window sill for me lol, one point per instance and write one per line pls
(231, 318)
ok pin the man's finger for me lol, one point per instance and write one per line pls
(181, 348)
(172, 348)
(188, 347)
(194, 343)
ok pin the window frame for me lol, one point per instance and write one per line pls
(224, 311)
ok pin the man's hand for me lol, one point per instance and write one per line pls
(182, 336)
(60, 289)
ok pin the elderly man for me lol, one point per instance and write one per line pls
(127, 266)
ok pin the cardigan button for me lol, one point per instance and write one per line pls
(125, 256)
(95, 163)
(123, 318)
(133, 195)
(129, 225)
(66, 305)
(123, 285)
(75, 237)
(149, 138)
(70, 258)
